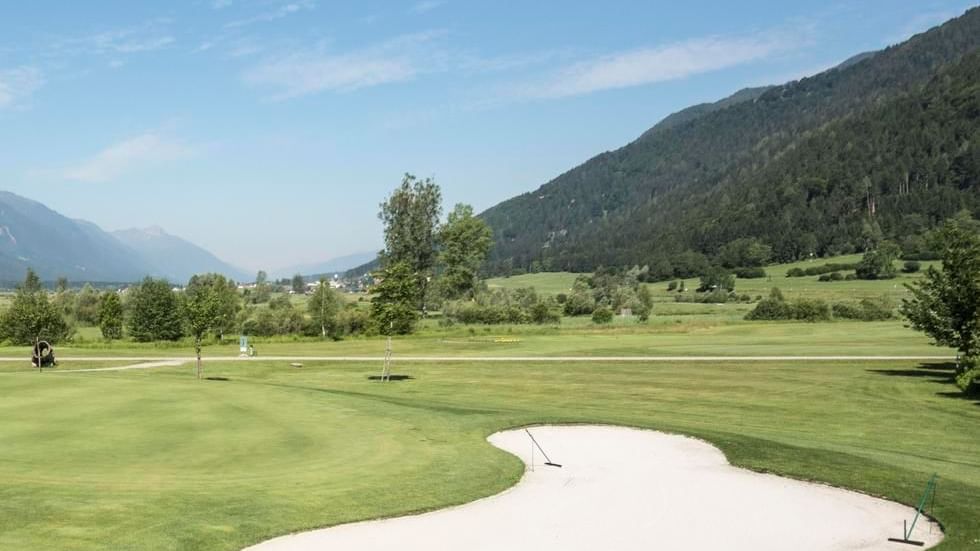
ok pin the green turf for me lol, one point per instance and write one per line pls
(158, 460)
(552, 283)
(686, 335)
(25, 366)
(548, 283)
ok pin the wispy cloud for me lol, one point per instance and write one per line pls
(319, 70)
(129, 155)
(655, 64)
(427, 6)
(16, 85)
(220, 4)
(145, 37)
(283, 10)
(478, 64)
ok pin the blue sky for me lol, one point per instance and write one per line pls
(268, 131)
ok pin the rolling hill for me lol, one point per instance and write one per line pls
(328, 268)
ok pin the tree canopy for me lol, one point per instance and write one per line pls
(323, 307)
(393, 306)
(111, 316)
(411, 217)
(464, 241)
(945, 304)
(32, 316)
(156, 312)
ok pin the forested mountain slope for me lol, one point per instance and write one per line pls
(817, 166)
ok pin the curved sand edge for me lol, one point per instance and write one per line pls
(628, 489)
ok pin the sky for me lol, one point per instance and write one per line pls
(269, 131)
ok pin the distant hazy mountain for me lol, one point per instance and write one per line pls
(333, 266)
(174, 258)
(32, 235)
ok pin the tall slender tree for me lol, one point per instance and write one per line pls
(298, 284)
(464, 242)
(411, 218)
(393, 309)
(111, 316)
(323, 307)
(207, 310)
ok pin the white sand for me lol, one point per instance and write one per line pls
(624, 489)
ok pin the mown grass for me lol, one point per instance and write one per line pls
(25, 366)
(158, 460)
(683, 335)
(553, 283)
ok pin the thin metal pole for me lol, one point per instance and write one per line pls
(929, 488)
(532, 456)
(545, 454)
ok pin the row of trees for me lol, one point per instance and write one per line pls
(777, 307)
(210, 304)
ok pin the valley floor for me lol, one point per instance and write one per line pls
(155, 459)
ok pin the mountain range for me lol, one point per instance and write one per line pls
(32, 235)
(884, 146)
(328, 268)
(165, 255)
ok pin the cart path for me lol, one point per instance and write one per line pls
(184, 359)
(143, 365)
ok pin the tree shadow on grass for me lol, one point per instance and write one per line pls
(961, 396)
(944, 372)
(940, 372)
(217, 379)
(392, 378)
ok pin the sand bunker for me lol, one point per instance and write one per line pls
(624, 489)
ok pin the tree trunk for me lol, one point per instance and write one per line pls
(197, 346)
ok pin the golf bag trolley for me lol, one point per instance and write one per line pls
(42, 355)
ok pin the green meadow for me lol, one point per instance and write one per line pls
(553, 283)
